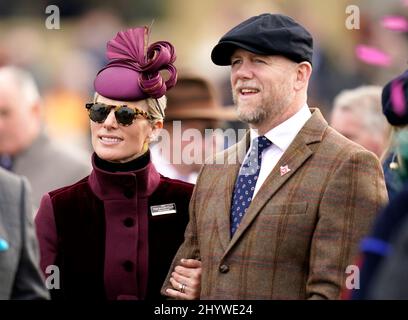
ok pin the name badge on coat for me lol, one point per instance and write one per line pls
(163, 209)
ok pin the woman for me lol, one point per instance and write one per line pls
(113, 234)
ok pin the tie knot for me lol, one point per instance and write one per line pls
(260, 144)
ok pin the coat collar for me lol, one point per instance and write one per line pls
(123, 185)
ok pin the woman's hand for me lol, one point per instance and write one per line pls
(186, 280)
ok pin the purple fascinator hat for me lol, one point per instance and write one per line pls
(133, 70)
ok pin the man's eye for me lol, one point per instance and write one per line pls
(259, 61)
(234, 62)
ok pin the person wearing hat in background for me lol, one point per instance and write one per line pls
(394, 108)
(114, 233)
(191, 105)
(377, 247)
(305, 194)
(20, 274)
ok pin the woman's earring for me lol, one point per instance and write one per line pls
(152, 138)
(394, 164)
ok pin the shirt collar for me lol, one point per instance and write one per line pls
(283, 134)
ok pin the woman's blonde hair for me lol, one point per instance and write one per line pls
(155, 108)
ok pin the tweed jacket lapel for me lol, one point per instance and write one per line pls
(294, 157)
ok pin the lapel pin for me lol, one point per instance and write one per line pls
(3, 245)
(284, 170)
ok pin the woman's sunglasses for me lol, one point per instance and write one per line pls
(98, 112)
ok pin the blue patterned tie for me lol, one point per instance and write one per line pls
(246, 181)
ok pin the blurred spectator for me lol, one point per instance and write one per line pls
(25, 147)
(377, 246)
(192, 107)
(390, 281)
(20, 275)
(394, 101)
(358, 116)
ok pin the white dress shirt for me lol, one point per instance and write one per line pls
(281, 137)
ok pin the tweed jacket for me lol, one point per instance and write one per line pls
(301, 230)
(20, 276)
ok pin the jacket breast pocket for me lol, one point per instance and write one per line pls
(296, 208)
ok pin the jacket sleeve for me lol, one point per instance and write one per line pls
(189, 249)
(46, 233)
(352, 197)
(29, 283)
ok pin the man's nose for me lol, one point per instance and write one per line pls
(243, 71)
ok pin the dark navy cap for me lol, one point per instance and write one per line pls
(266, 34)
(395, 100)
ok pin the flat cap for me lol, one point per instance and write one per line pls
(395, 100)
(266, 34)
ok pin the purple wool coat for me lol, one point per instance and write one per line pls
(109, 237)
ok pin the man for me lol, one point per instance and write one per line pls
(20, 275)
(357, 115)
(24, 146)
(306, 194)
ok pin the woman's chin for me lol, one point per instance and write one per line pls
(118, 158)
(109, 156)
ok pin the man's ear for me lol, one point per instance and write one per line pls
(303, 73)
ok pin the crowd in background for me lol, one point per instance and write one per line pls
(55, 56)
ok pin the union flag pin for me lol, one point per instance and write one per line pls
(284, 170)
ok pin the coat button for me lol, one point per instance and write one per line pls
(129, 222)
(128, 266)
(128, 193)
(224, 268)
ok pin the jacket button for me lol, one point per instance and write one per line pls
(224, 268)
(128, 266)
(128, 193)
(129, 222)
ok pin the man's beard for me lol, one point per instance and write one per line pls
(268, 108)
(258, 115)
